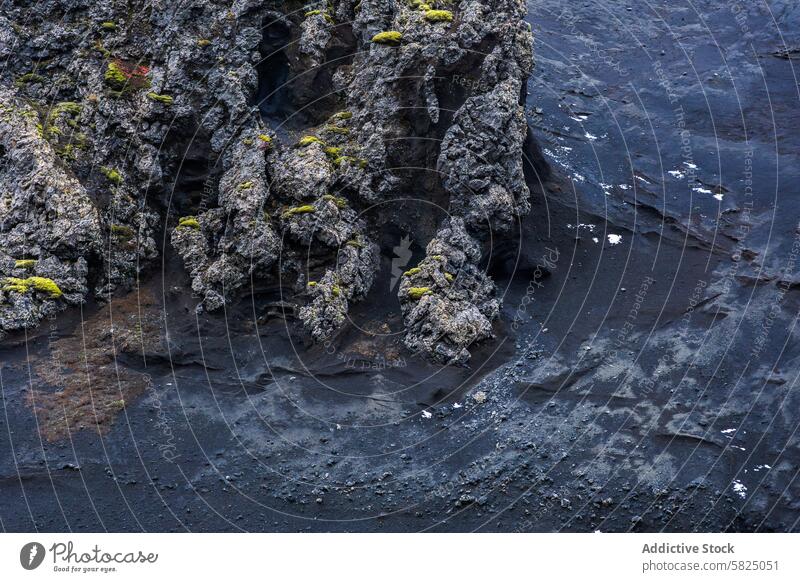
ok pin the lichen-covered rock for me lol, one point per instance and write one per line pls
(447, 302)
(48, 224)
(481, 153)
(351, 279)
(115, 128)
(224, 246)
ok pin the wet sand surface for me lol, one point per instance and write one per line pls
(644, 374)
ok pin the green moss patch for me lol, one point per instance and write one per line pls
(439, 16)
(28, 78)
(115, 77)
(417, 293)
(305, 209)
(189, 222)
(164, 99)
(389, 37)
(361, 163)
(122, 231)
(40, 284)
(112, 175)
(308, 140)
(340, 202)
(336, 129)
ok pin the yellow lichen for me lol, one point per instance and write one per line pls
(328, 18)
(305, 209)
(438, 16)
(391, 37)
(165, 99)
(112, 174)
(24, 263)
(115, 77)
(416, 293)
(361, 163)
(308, 140)
(336, 129)
(40, 284)
(189, 222)
(412, 272)
(340, 202)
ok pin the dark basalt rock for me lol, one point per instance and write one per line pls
(100, 111)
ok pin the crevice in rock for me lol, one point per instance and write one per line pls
(293, 95)
(197, 179)
(273, 96)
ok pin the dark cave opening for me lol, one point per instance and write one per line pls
(293, 95)
(196, 181)
(273, 97)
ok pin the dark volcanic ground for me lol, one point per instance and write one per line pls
(645, 373)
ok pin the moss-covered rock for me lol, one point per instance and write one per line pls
(304, 209)
(417, 293)
(336, 129)
(189, 222)
(115, 77)
(39, 284)
(438, 16)
(28, 78)
(308, 140)
(122, 231)
(339, 201)
(112, 174)
(389, 37)
(164, 99)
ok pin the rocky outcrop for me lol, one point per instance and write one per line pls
(448, 303)
(48, 224)
(105, 112)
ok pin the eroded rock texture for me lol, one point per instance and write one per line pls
(120, 119)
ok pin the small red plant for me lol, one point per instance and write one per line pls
(136, 75)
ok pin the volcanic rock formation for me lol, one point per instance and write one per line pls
(120, 119)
